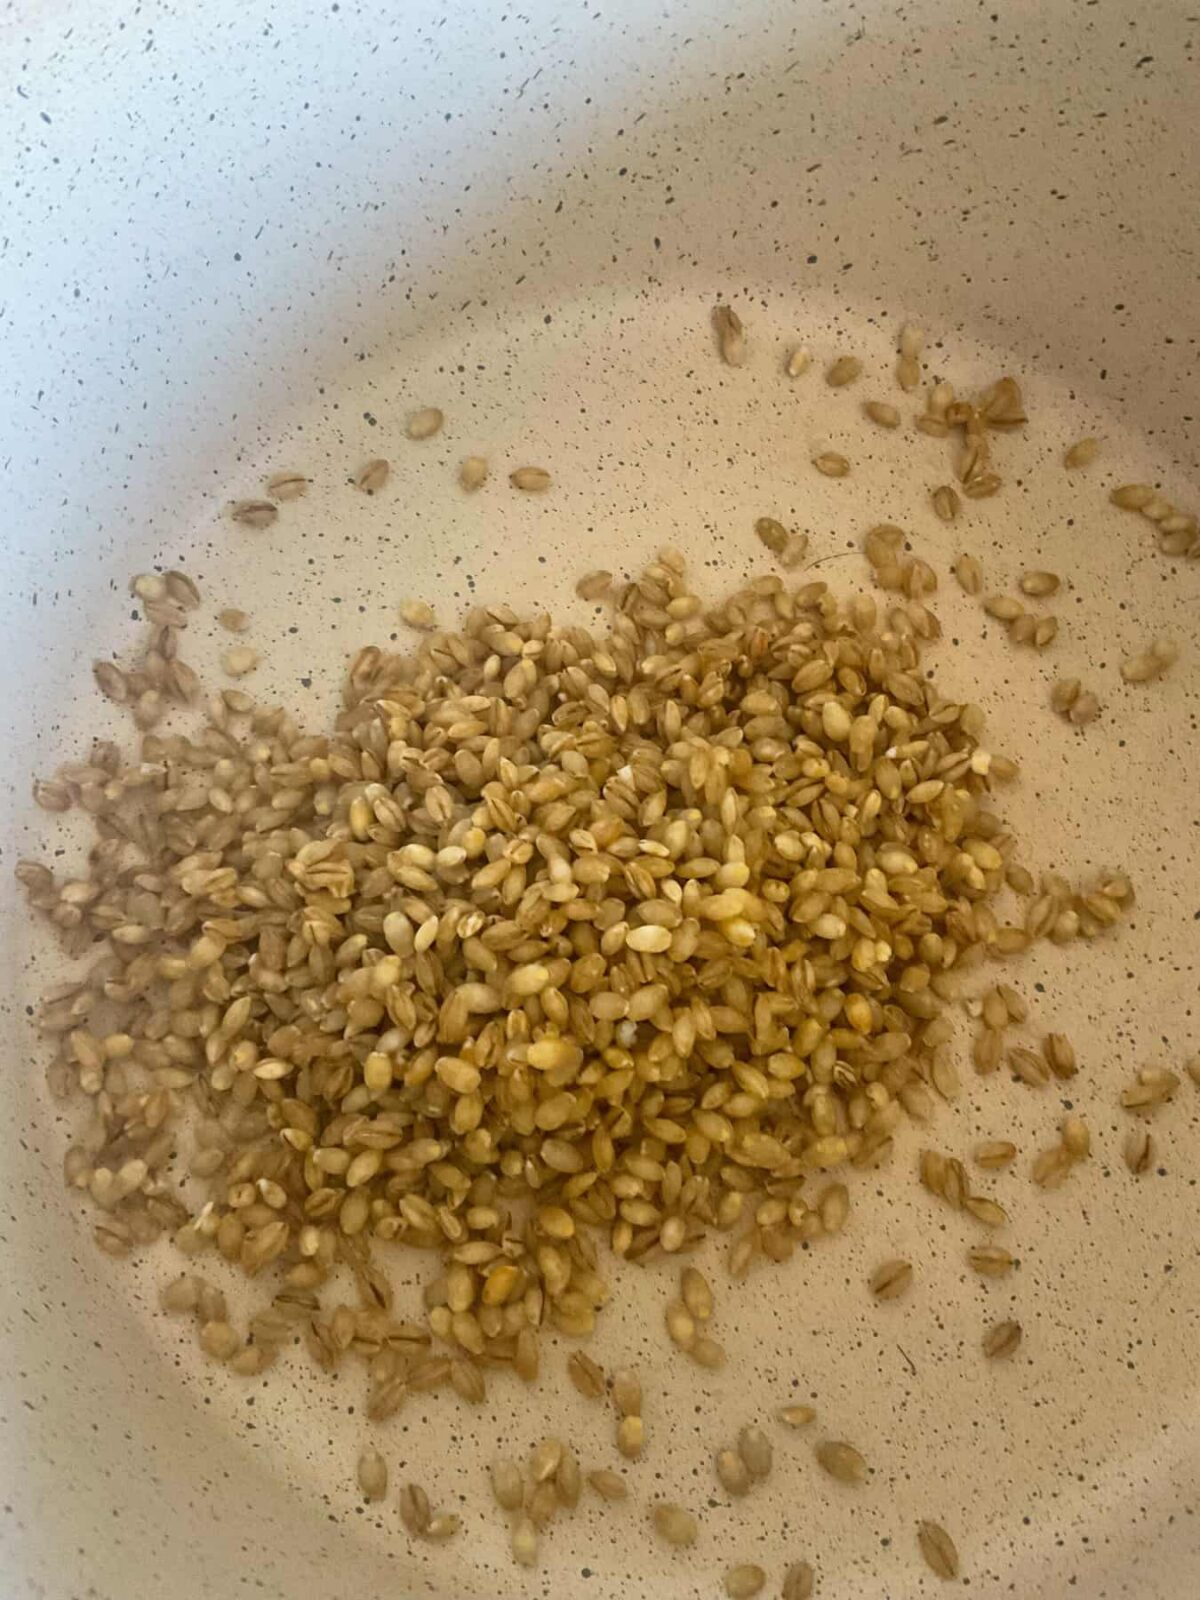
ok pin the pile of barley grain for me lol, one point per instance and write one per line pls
(551, 936)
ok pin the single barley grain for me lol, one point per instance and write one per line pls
(372, 1474)
(773, 534)
(696, 1293)
(1139, 1151)
(799, 361)
(627, 1392)
(732, 1472)
(1132, 496)
(287, 486)
(1082, 453)
(672, 1523)
(1001, 1340)
(1060, 1055)
(989, 1212)
(417, 614)
(994, 1153)
(1077, 1141)
(681, 1325)
(182, 1294)
(938, 1549)
(1051, 1168)
(796, 1416)
(1003, 607)
(798, 1582)
(1039, 583)
(425, 423)
(372, 476)
(947, 505)
(240, 660)
(880, 412)
(969, 573)
(706, 1352)
(543, 1462)
(731, 336)
(831, 464)
(257, 514)
(568, 1481)
(892, 1279)
(508, 1486)
(990, 1260)
(1064, 694)
(524, 1542)
(233, 620)
(586, 1375)
(532, 480)
(1086, 709)
(631, 1436)
(745, 1580)
(843, 371)
(608, 1485)
(415, 1512)
(756, 1451)
(841, 1461)
(1045, 632)
(472, 472)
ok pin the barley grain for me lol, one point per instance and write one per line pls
(696, 1293)
(892, 1279)
(830, 464)
(532, 480)
(947, 505)
(938, 1549)
(586, 1375)
(798, 1582)
(287, 486)
(843, 371)
(627, 1392)
(1001, 1340)
(756, 1451)
(796, 1416)
(733, 1473)
(880, 412)
(841, 1461)
(731, 337)
(417, 614)
(672, 1523)
(508, 1487)
(524, 1542)
(631, 1436)
(415, 1512)
(1040, 583)
(799, 361)
(745, 1580)
(1082, 453)
(994, 1153)
(1138, 1151)
(372, 476)
(608, 1485)
(257, 514)
(968, 572)
(233, 620)
(372, 1474)
(990, 1260)
(425, 423)
(472, 472)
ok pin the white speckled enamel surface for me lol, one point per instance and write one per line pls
(244, 237)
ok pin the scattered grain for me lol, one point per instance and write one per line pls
(425, 423)
(969, 573)
(841, 1461)
(1001, 1340)
(508, 1487)
(1040, 584)
(994, 1153)
(732, 1472)
(371, 477)
(532, 480)
(798, 1582)
(937, 1547)
(799, 361)
(256, 514)
(240, 660)
(843, 371)
(731, 337)
(990, 1260)
(631, 1436)
(472, 472)
(879, 411)
(796, 1416)
(417, 614)
(287, 486)
(831, 465)
(586, 1375)
(608, 1485)
(233, 620)
(1138, 1151)
(756, 1451)
(891, 1279)
(741, 1582)
(372, 1474)
(672, 1523)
